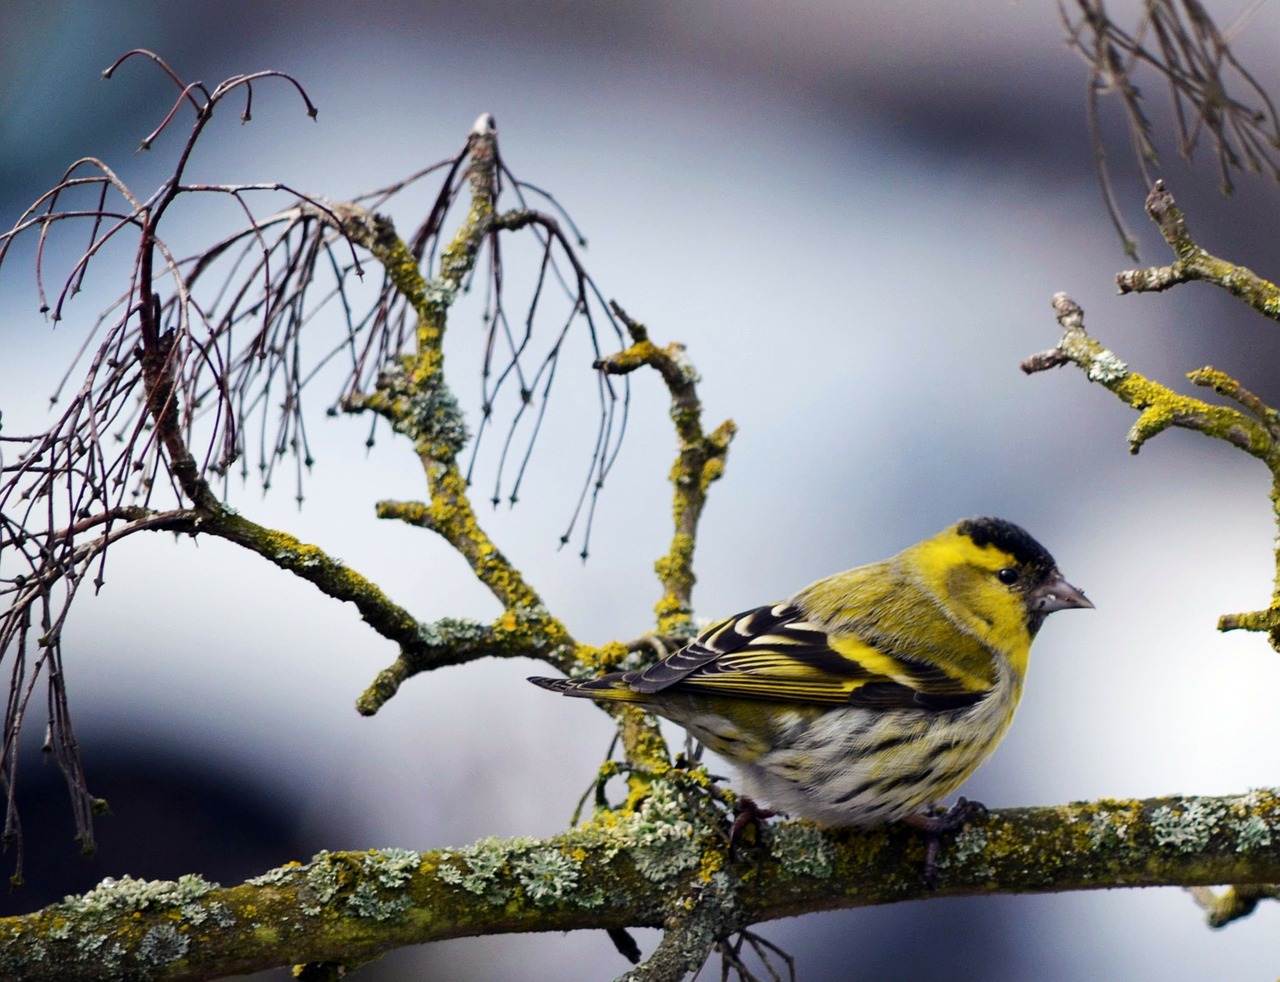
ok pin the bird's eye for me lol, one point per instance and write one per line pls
(1008, 576)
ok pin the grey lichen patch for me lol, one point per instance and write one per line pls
(367, 901)
(967, 848)
(323, 877)
(222, 915)
(484, 863)
(656, 836)
(162, 945)
(1188, 829)
(545, 874)
(111, 957)
(802, 849)
(1251, 830)
(276, 877)
(127, 893)
(686, 374)
(1108, 832)
(440, 292)
(365, 886)
(661, 844)
(195, 914)
(1106, 367)
(433, 416)
(393, 867)
(427, 412)
(381, 871)
(451, 630)
(1252, 833)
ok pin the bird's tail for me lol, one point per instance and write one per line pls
(610, 688)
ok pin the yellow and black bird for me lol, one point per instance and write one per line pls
(869, 695)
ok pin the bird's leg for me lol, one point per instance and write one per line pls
(935, 827)
(746, 813)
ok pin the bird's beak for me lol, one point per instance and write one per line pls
(1055, 593)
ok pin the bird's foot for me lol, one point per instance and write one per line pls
(935, 827)
(747, 815)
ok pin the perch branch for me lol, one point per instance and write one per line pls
(645, 870)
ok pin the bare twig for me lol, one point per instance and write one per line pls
(1212, 95)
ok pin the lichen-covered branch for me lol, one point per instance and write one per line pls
(1254, 427)
(699, 461)
(1194, 263)
(653, 867)
(1159, 407)
(450, 641)
(414, 398)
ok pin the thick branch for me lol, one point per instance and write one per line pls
(632, 870)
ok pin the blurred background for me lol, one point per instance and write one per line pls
(854, 216)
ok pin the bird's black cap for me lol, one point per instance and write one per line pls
(1008, 537)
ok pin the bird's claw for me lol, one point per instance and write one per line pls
(746, 813)
(935, 827)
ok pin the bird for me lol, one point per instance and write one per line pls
(869, 696)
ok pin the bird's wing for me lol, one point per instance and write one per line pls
(777, 653)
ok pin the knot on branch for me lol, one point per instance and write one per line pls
(1173, 225)
(422, 408)
(365, 228)
(1099, 364)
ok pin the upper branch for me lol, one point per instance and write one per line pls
(1194, 263)
(699, 462)
(415, 398)
(1253, 428)
(1159, 407)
